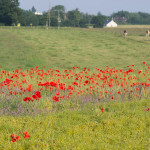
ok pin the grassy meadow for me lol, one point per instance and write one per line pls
(25, 48)
(74, 89)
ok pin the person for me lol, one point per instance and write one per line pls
(147, 33)
(125, 33)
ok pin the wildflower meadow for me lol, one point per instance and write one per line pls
(75, 107)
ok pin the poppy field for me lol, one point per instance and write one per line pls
(76, 105)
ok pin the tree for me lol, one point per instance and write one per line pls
(29, 18)
(83, 23)
(42, 19)
(54, 21)
(122, 13)
(9, 12)
(74, 17)
(68, 23)
(58, 9)
(33, 10)
(121, 17)
(85, 20)
(135, 18)
(98, 21)
(125, 17)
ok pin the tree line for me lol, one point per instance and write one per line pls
(125, 17)
(11, 14)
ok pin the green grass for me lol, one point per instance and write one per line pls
(72, 47)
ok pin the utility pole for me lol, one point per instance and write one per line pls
(59, 20)
(49, 17)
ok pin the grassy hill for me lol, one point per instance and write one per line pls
(24, 48)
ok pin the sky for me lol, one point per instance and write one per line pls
(106, 7)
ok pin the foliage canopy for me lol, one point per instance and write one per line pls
(9, 12)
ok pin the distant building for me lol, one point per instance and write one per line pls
(122, 20)
(110, 23)
(38, 13)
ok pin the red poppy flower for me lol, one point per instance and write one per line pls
(27, 99)
(14, 139)
(34, 97)
(86, 82)
(38, 94)
(25, 132)
(26, 135)
(17, 138)
(55, 98)
(12, 136)
(119, 92)
(57, 93)
(103, 110)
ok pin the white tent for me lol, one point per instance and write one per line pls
(111, 23)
